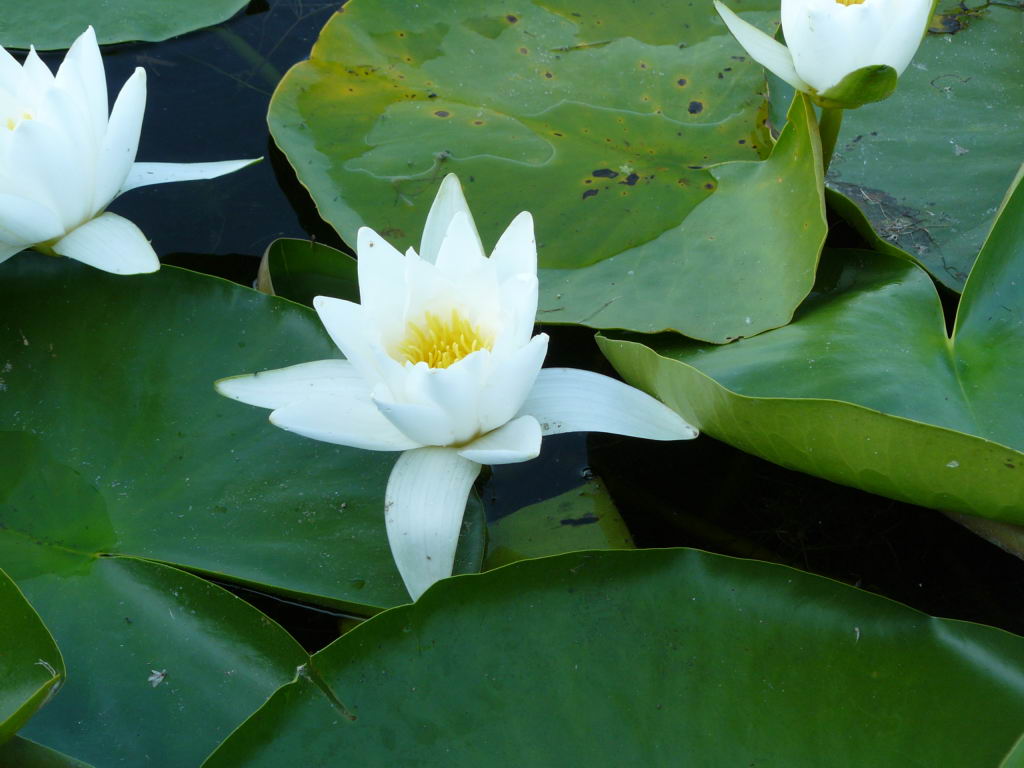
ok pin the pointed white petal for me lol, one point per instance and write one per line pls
(571, 400)
(461, 250)
(38, 76)
(517, 441)
(423, 509)
(382, 288)
(111, 243)
(343, 420)
(352, 331)
(81, 73)
(144, 174)
(763, 48)
(510, 382)
(448, 201)
(284, 386)
(516, 251)
(25, 222)
(120, 142)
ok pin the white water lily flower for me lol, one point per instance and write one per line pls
(442, 364)
(63, 159)
(829, 40)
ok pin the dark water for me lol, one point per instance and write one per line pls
(208, 97)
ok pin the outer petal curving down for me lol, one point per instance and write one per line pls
(423, 508)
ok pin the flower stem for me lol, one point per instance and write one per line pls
(828, 129)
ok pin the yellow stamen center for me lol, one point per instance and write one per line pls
(440, 342)
(12, 123)
(849, 2)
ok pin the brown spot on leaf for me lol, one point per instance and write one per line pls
(442, 113)
(695, 107)
(589, 193)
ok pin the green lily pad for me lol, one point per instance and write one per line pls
(649, 657)
(109, 381)
(25, 753)
(144, 643)
(31, 667)
(928, 166)
(301, 270)
(54, 24)
(148, 644)
(601, 123)
(716, 276)
(866, 388)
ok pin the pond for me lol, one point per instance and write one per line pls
(208, 96)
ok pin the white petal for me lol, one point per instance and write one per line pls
(10, 71)
(423, 423)
(44, 163)
(571, 400)
(111, 243)
(120, 141)
(448, 201)
(518, 298)
(144, 174)
(82, 74)
(284, 386)
(343, 420)
(423, 509)
(25, 222)
(461, 250)
(901, 34)
(38, 77)
(516, 251)
(517, 441)
(475, 295)
(456, 390)
(763, 48)
(510, 382)
(352, 331)
(821, 41)
(382, 287)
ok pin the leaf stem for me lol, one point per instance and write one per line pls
(828, 128)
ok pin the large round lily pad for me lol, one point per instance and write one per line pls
(109, 381)
(147, 644)
(656, 657)
(866, 387)
(600, 122)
